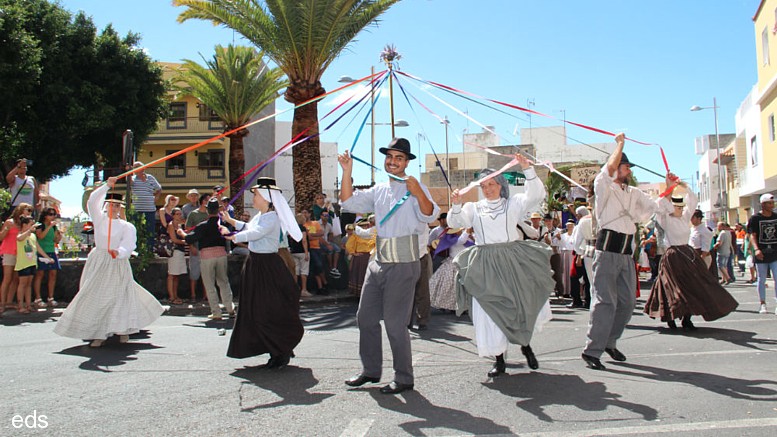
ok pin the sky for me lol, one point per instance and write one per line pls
(628, 66)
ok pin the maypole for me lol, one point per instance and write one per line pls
(389, 55)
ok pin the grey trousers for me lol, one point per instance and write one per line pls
(614, 296)
(214, 271)
(387, 294)
(422, 300)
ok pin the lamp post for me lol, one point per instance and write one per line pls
(714, 107)
(447, 122)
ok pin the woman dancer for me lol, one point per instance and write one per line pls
(503, 282)
(109, 301)
(268, 318)
(684, 285)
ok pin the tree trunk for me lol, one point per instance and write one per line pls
(306, 157)
(236, 168)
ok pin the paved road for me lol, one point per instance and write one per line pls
(174, 379)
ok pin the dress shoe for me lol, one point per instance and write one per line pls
(531, 360)
(498, 369)
(672, 324)
(360, 379)
(280, 362)
(270, 363)
(395, 388)
(615, 354)
(593, 362)
(575, 305)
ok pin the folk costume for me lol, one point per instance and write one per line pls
(109, 301)
(503, 282)
(442, 285)
(684, 286)
(268, 318)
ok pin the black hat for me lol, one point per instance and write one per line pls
(265, 182)
(399, 144)
(213, 205)
(625, 160)
(114, 198)
(547, 217)
(698, 214)
(443, 215)
(678, 201)
(581, 201)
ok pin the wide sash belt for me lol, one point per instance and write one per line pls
(611, 241)
(398, 249)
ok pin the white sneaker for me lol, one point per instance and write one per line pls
(763, 309)
(123, 338)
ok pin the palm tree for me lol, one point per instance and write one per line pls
(302, 37)
(236, 85)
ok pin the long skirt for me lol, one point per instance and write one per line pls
(108, 302)
(511, 283)
(357, 270)
(268, 316)
(566, 271)
(685, 287)
(442, 286)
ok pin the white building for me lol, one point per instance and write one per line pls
(750, 172)
(707, 176)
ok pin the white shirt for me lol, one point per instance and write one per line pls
(677, 230)
(495, 221)
(701, 238)
(583, 232)
(618, 209)
(123, 234)
(567, 241)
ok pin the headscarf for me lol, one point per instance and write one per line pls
(504, 191)
(288, 221)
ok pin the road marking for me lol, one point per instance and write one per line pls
(358, 428)
(650, 429)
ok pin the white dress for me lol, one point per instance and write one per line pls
(496, 222)
(109, 301)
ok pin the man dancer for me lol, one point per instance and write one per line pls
(762, 228)
(618, 208)
(400, 207)
(213, 260)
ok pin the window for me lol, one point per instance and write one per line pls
(175, 167)
(177, 117)
(771, 127)
(454, 163)
(753, 152)
(205, 113)
(765, 46)
(213, 162)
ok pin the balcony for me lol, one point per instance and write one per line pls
(188, 175)
(189, 125)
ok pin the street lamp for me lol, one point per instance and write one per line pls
(714, 108)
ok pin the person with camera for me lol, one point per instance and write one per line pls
(23, 188)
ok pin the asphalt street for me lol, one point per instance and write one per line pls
(174, 379)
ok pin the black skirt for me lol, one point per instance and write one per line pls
(685, 287)
(268, 318)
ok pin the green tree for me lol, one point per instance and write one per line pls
(236, 85)
(303, 37)
(69, 92)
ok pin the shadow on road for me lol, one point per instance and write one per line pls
(740, 338)
(540, 390)
(328, 317)
(12, 318)
(111, 354)
(291, 384)
(434, 417)
(754, 390)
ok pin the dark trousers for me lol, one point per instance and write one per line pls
(577, 299)
(555, 265)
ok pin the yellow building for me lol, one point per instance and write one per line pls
(765, 20)
(189, 122)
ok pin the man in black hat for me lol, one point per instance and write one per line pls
(618, 207)
(403, 208)
(213, 260)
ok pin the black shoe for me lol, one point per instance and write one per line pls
(615, 354)
(672, 324)
(688, 325)
(530, 358)
(593, 362)
(421, 328)
(271, 362)
(360, 379)
(395, 388)
(575, 305)
(280, 362)
(498, 369)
